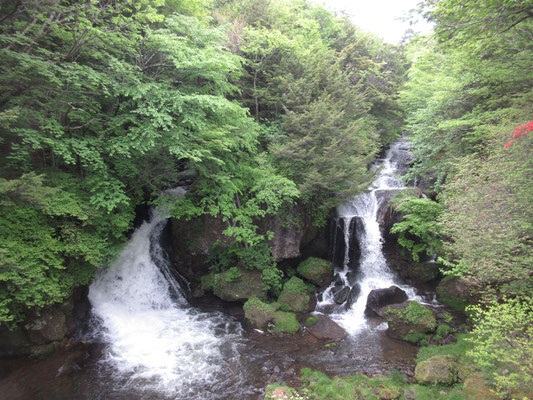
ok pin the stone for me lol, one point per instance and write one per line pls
(49, 326)
(248, 284)
(476, 387)
(295, 296)
(258, 313)
(342, 295)
(437, 370)
(409, 321)
(379, 298)
(325, 328)
(423, 272)
(316, 270)
(453, 292)
(355, 291)
(285, 322)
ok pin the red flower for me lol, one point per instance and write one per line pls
(508, 144)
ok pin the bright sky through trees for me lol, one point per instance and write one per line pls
(386, 18)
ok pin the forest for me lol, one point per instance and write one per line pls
(274, 110)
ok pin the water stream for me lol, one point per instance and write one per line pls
(364, 268)
(155, 340)
(147, 341)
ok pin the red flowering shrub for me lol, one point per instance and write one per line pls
(519, 131)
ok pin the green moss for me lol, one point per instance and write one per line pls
(295, 295)
(259, 313)
(285, 322)
(317, 385)
(311, 321)
(443, 330)
(316, 270)
(453, 302)
(416, 338)
(414, 314)
(457, 349)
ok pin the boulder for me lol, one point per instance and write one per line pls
(258, 313)
(409, 321)
(422, 272)
(316, 270)
(437, 370)
(354, 294)
(342, 295)
(453, 292)
(379, 298)
(476, 387)
(295, 296)
(285, 322)
(230, 288)
(49, 325)
(325, 328)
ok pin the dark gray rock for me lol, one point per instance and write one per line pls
(379, 298)
(354, 294)
(342, 295)
(325, 328)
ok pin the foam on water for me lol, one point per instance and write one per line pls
(373, 273)
(154, 339)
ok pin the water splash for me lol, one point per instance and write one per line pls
(373, 272)
(155, 341)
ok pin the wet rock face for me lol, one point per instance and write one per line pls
(325, 328)
(379, 298)
(192, 240)
(228, 288)
(337, 241)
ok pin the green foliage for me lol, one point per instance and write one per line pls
(285, 322)
(311, 321)
(295, 295)
(502, 341)
(489, 226)
(52, 239)
(258, 256)
(419, 230)
(317, 385)
(443, 330)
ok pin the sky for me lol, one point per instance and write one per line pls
(382, 17)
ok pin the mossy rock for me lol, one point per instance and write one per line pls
(437, 370)
(312, 320)
(316, 270)
(410, 321)
(476, 387)
(423, 272)
(228, 288)
(453, 292)
(285, 322)
(295, 296)
(259, 313)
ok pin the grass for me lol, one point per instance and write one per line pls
(317, 385)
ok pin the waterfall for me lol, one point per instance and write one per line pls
(154, 339)
(361, 217)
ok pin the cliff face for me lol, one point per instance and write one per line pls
(190, 241)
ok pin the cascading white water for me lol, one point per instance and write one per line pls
(374, 273)
(155, 341)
